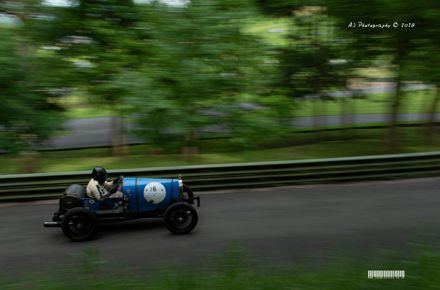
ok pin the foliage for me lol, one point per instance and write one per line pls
(190, 72)
(26, 81)
(193, 86)
(285, 8)
(100, 38)
(400, 38)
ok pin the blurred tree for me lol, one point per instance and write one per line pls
(285, 8)
(196, 84)
(102, 39)
(406, 24)
(424, 59)
(27, 82)
(312, 62)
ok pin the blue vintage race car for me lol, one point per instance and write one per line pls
(79, 215)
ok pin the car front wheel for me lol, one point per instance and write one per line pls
(181, 218)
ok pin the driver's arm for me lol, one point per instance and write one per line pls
(103, 196)
(108, 185)
(117, 179)
(100, 195)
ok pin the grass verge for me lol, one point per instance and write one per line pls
(414, 101)
(235, 268)
(299, 146)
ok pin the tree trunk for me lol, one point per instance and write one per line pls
(316, 118)
(324, 119)
(424, 117)
(425, 108)
(190, 151)
(117, 138)
(393, 133)
(430, 124)
(344, 121)
(402, 51)
(28, 161)
(353, 114)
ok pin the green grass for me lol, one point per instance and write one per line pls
(236, 268)
(414, 101)
(260, 27)
(367, 142)
(77, 106)
(375, 72)
(88, 112)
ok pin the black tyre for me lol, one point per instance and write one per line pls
(181, 218)
(79, 224)
(187, 192)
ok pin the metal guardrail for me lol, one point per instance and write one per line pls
(241, 175)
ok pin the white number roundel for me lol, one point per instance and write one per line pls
(154, 192)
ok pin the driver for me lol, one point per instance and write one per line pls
(100, 189)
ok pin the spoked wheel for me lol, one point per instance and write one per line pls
(79, 224)
(181, 218)
(187, 192)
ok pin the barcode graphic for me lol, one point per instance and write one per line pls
(386, 274)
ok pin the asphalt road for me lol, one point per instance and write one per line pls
(277, 223)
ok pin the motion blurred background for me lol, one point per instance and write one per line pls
(128, 84)
(134, 84)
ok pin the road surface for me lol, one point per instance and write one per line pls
(278, 223)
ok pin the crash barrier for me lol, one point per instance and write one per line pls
(242, 175)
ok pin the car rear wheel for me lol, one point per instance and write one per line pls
(79, 224)
(181, 218)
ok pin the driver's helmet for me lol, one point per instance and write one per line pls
(99, 174)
